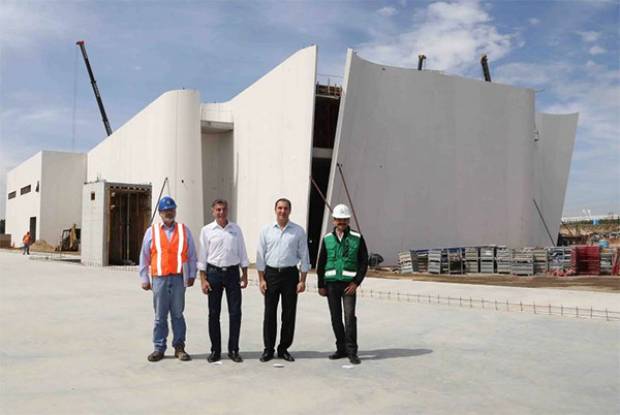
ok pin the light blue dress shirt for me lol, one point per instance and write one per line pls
(279, 248)
(189, 271)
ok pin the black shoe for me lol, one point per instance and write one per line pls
(286, 356)
(354, 359)
(337, 355)
(234, 356)
(267, 356)
(156, 356)
(214, 357)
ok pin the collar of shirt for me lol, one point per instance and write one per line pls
(168, 228)
(214, 225)
(340, 238)
(276, 225)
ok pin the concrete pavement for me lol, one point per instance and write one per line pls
(75, 340)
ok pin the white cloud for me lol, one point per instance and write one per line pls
(533, 21)
(564, 87)
(597, 50)
(452, 35)
(529, 75)
(387, 11)
(25, 23)
(589, 37)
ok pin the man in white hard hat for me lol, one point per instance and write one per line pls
(342, 266)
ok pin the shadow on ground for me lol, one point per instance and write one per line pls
(377, 354)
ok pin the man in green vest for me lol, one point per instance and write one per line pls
(342, 266)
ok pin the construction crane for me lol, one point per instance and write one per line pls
(106, 123)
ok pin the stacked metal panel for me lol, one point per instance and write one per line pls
(541, 260)
(437, 261)
(421, 256)
(607, 255)
(455, 261)
(559, 259)
(523, 262)
(405, 262)
(487, 259)
(504, 260)
(472, 265)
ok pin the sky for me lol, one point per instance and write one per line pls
(568, 51)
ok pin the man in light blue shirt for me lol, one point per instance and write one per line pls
(281, 247)
(168, 255)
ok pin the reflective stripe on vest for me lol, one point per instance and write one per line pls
(168, 256)
(341, 263)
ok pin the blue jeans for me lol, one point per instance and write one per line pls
(168, 297)
(224, 281)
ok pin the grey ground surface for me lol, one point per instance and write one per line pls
(75, 340)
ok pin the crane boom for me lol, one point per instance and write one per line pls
(106, 123)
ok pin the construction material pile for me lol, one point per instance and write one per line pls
(491, 259)
(586, 260)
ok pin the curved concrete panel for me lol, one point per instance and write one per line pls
(272, 152)
(163, 140)
(554, 150)
(434, 160)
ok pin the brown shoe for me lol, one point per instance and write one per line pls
(179, 353)
(156, 356)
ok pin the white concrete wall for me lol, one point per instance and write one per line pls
(20, 209)
(163, 140)
(95, 224)
(554, 150)
(434, 160)
(63, 175)
(273, 121)
(218, 172)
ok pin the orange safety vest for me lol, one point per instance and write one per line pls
(168, 256)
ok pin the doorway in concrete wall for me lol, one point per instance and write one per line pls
(326, 106)
(218, 166)
(33, 229)
(129, 209)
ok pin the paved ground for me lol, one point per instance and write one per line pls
(75, 340)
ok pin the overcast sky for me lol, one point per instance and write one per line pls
(566, 50)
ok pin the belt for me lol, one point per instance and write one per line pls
(221, 269)
(281, 269)
(167, 275)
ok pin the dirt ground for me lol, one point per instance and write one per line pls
(581, 282)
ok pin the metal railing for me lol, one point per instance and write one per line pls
(482, 303)
(463, 302)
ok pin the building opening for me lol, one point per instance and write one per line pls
(130, 208)
(326, 105)
(33, 229)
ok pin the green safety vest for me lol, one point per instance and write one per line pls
(341, 262)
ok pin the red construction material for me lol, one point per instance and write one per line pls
(586, 260)
(615, 267)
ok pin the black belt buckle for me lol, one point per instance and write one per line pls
(221, 269)
(281, 269)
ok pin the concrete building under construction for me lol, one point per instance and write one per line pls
(428, 159)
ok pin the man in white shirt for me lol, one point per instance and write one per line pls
(222, 251)
(281, 246)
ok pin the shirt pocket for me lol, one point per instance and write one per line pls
(289, 244)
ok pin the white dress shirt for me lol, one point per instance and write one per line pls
(279, 248)
(222, 247)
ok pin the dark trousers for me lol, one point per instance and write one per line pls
(283, 284)
(219, 281)
(346, 334)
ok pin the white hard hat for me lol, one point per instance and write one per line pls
(341, 211)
